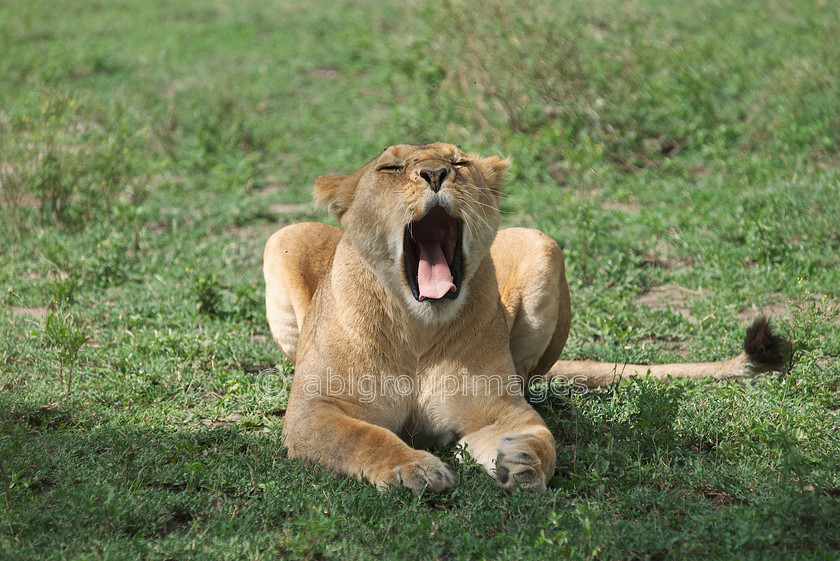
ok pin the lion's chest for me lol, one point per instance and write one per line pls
(412, 410)
(419, 431)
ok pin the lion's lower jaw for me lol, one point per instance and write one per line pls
(435, 313)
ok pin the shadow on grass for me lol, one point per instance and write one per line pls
(630, 484)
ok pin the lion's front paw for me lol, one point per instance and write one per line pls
(519, 464)
(426, 472)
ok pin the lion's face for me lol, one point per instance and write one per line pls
(424, 218)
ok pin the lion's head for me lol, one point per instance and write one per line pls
(423, 217)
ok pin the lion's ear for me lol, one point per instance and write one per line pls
(336, 191)
(493, 169)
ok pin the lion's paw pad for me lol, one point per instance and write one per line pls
(517, 463)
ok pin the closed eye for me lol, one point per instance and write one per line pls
(389, 169)
(461, 163)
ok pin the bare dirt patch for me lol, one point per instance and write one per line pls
(230, 420)
(768, 310)
(624, 208)
(719, 498)
(661, 256)
(325, 72)
(670, 296)
(38, 312)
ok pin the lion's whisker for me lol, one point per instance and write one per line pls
(472, 213)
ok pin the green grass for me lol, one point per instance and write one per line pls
(684, 155)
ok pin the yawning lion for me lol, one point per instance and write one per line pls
(417, 323)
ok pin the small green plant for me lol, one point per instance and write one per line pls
(207, 292)
(113, 261)
(247, 302)
(13, 182)
(64, 289)
(807, 324)
(653, 411)
(66, 337)
(11, 440)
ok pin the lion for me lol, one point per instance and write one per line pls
(418, 323)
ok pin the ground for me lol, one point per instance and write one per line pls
(685, 158)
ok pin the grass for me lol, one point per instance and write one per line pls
(685, 156)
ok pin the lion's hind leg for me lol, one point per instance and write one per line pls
(531, 276)
(296, 258)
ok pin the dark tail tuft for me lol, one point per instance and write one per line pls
(765, 349)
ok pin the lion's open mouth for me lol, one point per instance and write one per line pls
(432, 256)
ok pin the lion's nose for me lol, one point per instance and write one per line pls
(434, 177)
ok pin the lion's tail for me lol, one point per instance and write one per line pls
(764, 351)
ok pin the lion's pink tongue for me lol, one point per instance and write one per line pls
(433, 276)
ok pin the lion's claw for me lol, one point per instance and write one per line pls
(426, 473)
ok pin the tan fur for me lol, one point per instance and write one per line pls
(380, 374)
